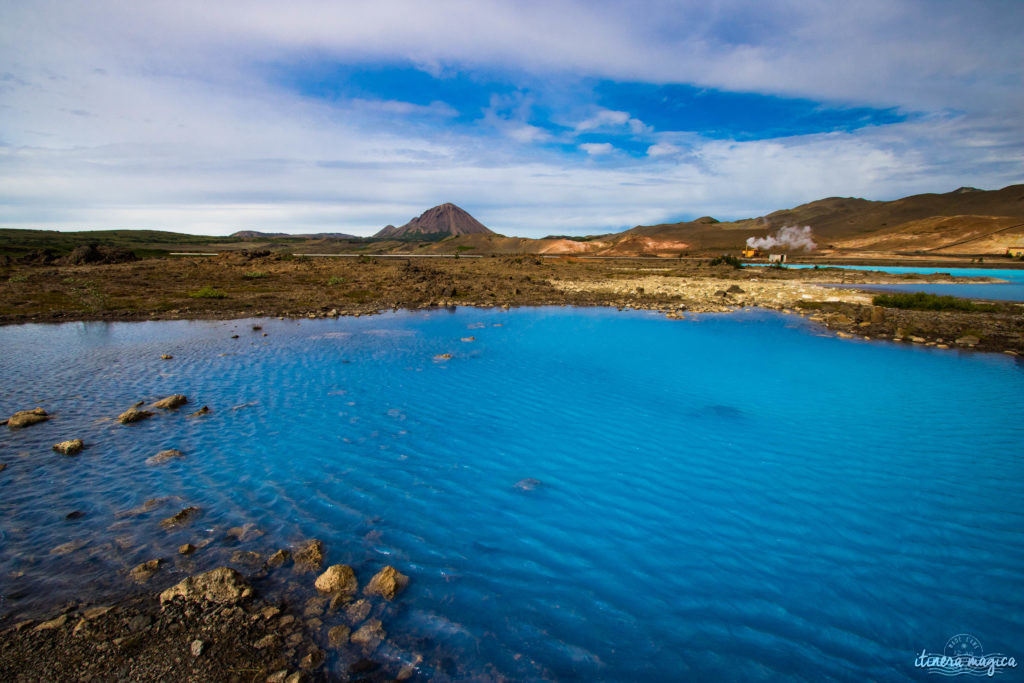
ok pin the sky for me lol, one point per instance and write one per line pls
(548, 117)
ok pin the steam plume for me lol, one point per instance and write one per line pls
(787, 237)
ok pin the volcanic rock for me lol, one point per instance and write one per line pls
(310, 557)
(24, 418)
(163, 456)
(370, 635)
(133, 415)
(357, 611)
(339, 578)
(72, 447)
(338, 635)
(279, 558)
(143, 572)
(180, 518)
(172, 401)
(387, 583)
(223, 585)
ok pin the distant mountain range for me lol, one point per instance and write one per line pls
(964, 222)
(446, 219)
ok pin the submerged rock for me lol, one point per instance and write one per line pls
(338, 635)
(247, 558)
(339, 578)
(223, 585)
(202, 411)
(309, 557)
(148, 506)
(387, 583)
(357, 611)
(313, 659)
(186, 549)
(180, 518)
(172, 401)
(133, 415)
(163, 456)
(69, 547)
(145, 571)
(279, 558)
(244, 533)
(72, 447)
(370, 635)
(528, 484)
(166, 356)
(24, 418)
(3, 466)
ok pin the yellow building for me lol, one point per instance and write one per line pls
(750, 253)
(1015, 252)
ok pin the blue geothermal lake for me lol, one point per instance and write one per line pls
(732, 497)
(1011, 290)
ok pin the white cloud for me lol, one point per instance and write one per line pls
(595, 149)
(607, 118)
(661, 149)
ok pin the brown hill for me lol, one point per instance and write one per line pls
(961, 221)
(446, 219)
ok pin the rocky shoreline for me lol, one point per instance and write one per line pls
(263, 612)
(253, 285)
(217, 626)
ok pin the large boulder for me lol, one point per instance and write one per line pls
(339, 578)
(222, 585)
(24, 418)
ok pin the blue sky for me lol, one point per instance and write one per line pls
(538, 118)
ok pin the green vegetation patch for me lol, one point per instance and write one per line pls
(726, 260)
(207, 292)
(922, 301)
(255, 275)
(336, 281)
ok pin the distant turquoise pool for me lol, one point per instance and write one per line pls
(728, 497)
(1012, 290)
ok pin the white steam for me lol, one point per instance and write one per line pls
(788, 237)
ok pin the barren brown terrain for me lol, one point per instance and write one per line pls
(258, 284)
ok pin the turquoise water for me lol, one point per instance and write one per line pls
(1012, 290)
(721, 498)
